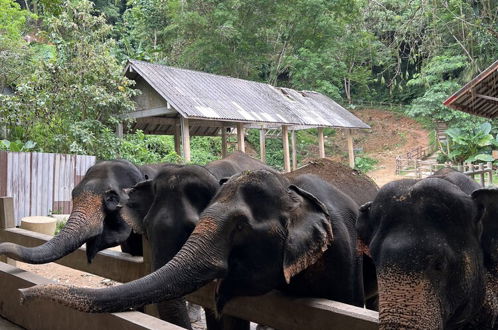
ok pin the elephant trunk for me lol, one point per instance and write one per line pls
(85, 221)
(199, 261)
(407, 301)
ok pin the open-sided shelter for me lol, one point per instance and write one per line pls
(184, 103)
(479, 96)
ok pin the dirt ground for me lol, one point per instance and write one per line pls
(391, 135)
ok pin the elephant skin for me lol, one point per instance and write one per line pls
(95, 218)
(424, 238)
(167, 208)
(260, 232)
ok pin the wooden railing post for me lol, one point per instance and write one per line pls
(489, 167)
(481, 173)
(7, 220)
(147, 264)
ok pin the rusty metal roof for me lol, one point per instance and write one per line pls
(200, 95)
(479, 96)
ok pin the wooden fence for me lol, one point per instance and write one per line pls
(421, 169)
(41, 183)
(273, 309)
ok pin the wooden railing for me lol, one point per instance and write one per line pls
(273, 309)
(421, 169)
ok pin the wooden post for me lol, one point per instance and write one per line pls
(321, 143)
(147, 264)
(350, 148)
(241, 144)
(481, 174)
(7, 220)
(460, 168)
(294, 151)
(178, 134)
(489, 166)
(285, 141)
(119, 130)
(185, 139)
(262, 144)
(224, 150)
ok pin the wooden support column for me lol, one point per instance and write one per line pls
(262, 144)
(285, 141)
(224, 150)
(240, 137)
(185, 139)
(294, 151)
(350, 147)
(321, 143)
(119, 130)
(178, 138)
(7, 220)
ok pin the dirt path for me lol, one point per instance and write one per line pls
(392, 134)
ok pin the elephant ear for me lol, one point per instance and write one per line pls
(364, 228)
(136, 205)
(486, 200)
(309, 232)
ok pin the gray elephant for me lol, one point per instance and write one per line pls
(424, 237)
(260, 232)
(167, 209)
(95, 218)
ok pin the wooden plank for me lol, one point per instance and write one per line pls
(241, 143)
(350, 148)
(47, 315)
(279, 311)
(262, 144)
(177, 138)
(224, 149)
(285, 143)
(111, 264)
(151, 112)
(50, 180)
(294, 151)
(7, 220)
(487, 97)
(185, 131)
(3, 173)
(321, 143)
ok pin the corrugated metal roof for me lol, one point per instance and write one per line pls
(208, 96)
(479, 96)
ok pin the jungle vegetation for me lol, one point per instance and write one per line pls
(61, 62)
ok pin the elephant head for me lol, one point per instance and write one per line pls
(167, 208)
(94, 219)
(258, 232)
(424, 238)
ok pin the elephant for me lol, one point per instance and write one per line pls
(261, 231)
(94, 219)
(425, 240)
(361, 189)
(167, 208)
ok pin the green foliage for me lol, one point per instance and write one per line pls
(17, 145)
(470, 145)
(59, 224)
(365, 163)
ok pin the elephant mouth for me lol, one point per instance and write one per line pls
(220, 300)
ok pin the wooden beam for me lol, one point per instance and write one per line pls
(486, 97)
(7, 220)
(224, 149)
(119, 130)
(118, 266)
(178, 138)
(192, 122)
(285, 143)
(151, 112)
(280, 311)
(321, 143)
(294, 151)
(350, 148)
(46, 314)
(241, 144)
(185, 131)
(262, 144)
